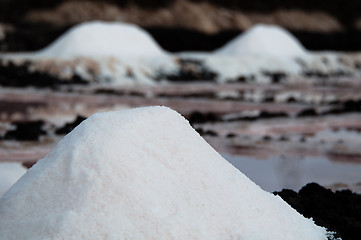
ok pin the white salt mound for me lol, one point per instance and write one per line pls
(264, 40)
(143, 174)
(98, 39)
(10, 172)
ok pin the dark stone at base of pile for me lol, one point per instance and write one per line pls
(26, 131)
(337, 211)
(190, 70)
(68, 127)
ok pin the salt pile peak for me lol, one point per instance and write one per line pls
(143, 173)
(264, 40)
(99, 39)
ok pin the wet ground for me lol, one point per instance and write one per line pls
(293, 172)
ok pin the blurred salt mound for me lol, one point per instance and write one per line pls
(123, 54)
(143, 174)
(10, 172)
(101, 52)
(96, 39)
(264, 40)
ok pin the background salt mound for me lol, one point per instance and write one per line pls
(143, 174)
(10, 172)
(264, 40)
(97, 39)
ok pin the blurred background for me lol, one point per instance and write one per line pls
(180, 25)
(284, 120)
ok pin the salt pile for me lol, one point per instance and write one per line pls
(264, 40)
(104, 52)
(10, 172)
(94, 39)
(143, 174)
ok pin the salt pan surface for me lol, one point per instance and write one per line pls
(143, 174)
(96, 39)
(10, 172)
(264, 40)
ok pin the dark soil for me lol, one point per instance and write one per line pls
(13, 75)
(339, 212)
(68, 127)
(190, 70)
(26, 131)
(199, 117)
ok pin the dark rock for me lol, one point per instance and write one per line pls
(203, 95)
(29, 164)
(269, 97)
(291, 99)
(284, 138)
(210, 133)
(26, 131)
(68, 127)
(190, 70)
(309, 112)
(266, 138)
(345, 107)
(267, 115)
(352, 106)
(12, 75)
(231, 135)
(198, 117)
(207, 132)
(261, 115)
(339, 212)
(276, 77)
(317, 74)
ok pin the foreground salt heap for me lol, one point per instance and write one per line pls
(143, 174)
(264, 40)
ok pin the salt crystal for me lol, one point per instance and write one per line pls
(143, 173)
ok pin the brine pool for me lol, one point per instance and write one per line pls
(290, 172)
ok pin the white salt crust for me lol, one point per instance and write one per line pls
(264, 40)
(143, 173)
(97, 39)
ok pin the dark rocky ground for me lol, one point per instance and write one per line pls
(337, 211)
